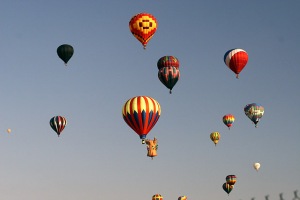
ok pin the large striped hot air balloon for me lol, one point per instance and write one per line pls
(228, 120)
(141, 114)
(254, 112)
(236, 60)
(58, 123)
(143, 26)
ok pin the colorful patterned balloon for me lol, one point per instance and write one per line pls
(227, 188)
(169, 76)
(231, 179)
(141, 114)
(143, 26)
(157, 197)
(228, 120)
(182, 198)
(168, 61)
(254, 112)
(236, 60)
(58, 123)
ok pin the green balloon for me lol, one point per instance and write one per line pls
(65, 52)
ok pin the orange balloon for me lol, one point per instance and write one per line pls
(143, 26)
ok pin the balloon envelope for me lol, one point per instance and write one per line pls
(141, 114)
(215, 137)
(143, 26)
(58, 123)
(182, 198)
(228, 120)
(227, 188)
(254, 112)
(8, 130)
(157, 197)
(65, 52)
(236, 60)
(256, 166)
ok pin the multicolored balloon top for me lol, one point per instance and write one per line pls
(228, 120)
(168, 61)
(141, 114)
(58, 123)
(236, 60)
(254, 112)
(231, 179)
(157, 197)
(143, 26)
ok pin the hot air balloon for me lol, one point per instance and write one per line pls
(231, 179)
(169, 77)
(254, 112)
(157, 197)
(65, 52)
(168, 61)
(182, 198)
(168, 71)
(215, 137)
(227, 188)
(58, 123)
(141, 114)
(143, 26)
(228, 120)
(256, 166)
(8, 130)
(236, 60)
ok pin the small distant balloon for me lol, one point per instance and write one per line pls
(8, 130)
(231, 179)
(58, 123)
(227, 188)
(65, 52)
(228, 120)
(182, 198)
(157, 197)
(254, 112)
(215, 137)
(256, 166)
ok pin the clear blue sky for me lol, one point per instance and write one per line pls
(98, 156)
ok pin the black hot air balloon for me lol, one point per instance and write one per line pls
(65, 52)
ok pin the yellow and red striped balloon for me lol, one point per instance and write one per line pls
(141, 114)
